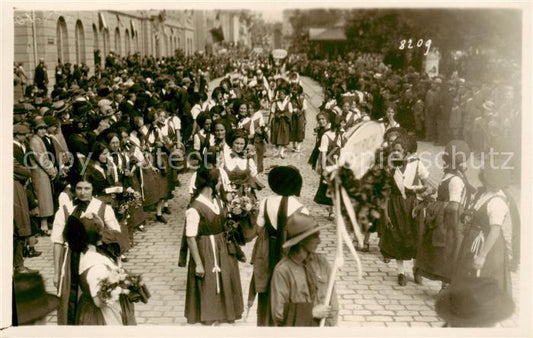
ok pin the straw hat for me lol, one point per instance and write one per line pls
(299, 227)
(39, 122)
(20, 129)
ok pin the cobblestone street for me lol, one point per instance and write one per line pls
(376, 300)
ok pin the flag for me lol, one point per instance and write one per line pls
(217, 34)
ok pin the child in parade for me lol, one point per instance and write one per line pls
(299, 281)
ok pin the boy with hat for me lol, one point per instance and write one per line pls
(299, 282)
(286, 183)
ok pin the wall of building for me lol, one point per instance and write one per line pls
(73, 36)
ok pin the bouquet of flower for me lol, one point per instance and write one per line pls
(127, 200)
(241, 206)
(262, 133)
(239, 227)
(120, 282)
(111, 287)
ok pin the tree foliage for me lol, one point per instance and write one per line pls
(379, 30)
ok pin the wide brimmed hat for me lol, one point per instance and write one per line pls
(474, 302)
(50, 120)
(300, 226)
(32, 301)
(285, 181)
(21, 129)
(39, 122)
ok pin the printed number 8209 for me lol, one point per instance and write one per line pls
(409, 44)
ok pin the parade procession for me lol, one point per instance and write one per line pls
(238, 173)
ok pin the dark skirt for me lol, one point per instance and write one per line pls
(496, 262)
(436, 256)
(90, 314)
(152, 189)
(298, 127)
(281, 131)
(315, 154)
(321, 196)
(399, 239)
(21, 213)
(202, 302)
(137, 215)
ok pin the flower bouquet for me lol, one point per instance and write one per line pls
(120, 282)
(239, 227)
(127, 200)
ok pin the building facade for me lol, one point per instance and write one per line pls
(74, 36)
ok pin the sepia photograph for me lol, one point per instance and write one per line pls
(355, 166)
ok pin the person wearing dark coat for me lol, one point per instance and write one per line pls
(41, 77)
(21, 212)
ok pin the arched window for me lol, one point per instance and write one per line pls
(127, 38)
(106, 42)
(62, 40)
(80, 43)
(118, 50)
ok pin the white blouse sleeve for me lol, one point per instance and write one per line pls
(423, 172)
(497, 211)
(324, 143)
(196, 142)
(224, 180)
(289, 107)
(456, 189)
(261, 214)
(95, 274)
(192, 183)
(253, 167)
(110, 220)
(192, 220)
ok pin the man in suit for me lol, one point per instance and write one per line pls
(66, 262)
(21, 213)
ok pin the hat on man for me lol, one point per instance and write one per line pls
(32, 302)
(38, 122)
(300, 226)
(474, 302)
(285, 181)
(20, 129)
(58, 105)
(50, 120)
(104, 102)
(43, 110)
